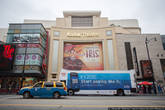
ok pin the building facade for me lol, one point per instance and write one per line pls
(30, 57)
(83, 40)
(137, 55)
(87, 41)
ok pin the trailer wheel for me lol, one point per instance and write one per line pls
(120, 92)
(71, 92)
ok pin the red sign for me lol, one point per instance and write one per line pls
(6, 57)
(8, 51)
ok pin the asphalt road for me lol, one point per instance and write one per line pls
(14, 102)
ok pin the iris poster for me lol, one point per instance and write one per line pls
(86, 56)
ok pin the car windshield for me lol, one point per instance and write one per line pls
(38, 85)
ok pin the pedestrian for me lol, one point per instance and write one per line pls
(159, 89)
(9, 88)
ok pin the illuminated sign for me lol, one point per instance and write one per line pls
(83, 34)
(6, 57)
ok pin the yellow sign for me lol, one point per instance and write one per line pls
(83, 34)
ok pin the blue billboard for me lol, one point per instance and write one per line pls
(99, 81)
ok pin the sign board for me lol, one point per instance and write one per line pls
(7, 53)
(87, 56)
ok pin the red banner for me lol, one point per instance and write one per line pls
(146, 68)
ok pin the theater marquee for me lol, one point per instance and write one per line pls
(83, 34)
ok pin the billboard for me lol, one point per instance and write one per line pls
(31, 59)
(85, 56)
(6, 57)
(146, 68)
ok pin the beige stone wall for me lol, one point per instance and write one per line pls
(3, 34)
(60, 22)
(138, 41)
(97, 22)
(133, 30)
(64, 38)
(122, 31)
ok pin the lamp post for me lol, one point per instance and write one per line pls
(148, 54)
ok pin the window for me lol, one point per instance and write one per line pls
(82, 21)
(59, 85)
(48, 84)
(56, 33)
(38, 85)
(163, 41)
(54, 75)
(136, 61)
(55, 56)
(162, 62)
(109, 33)
(128, 55)
(111, 55)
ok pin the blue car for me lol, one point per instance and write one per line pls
(44, 89)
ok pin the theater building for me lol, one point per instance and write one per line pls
(83, 40)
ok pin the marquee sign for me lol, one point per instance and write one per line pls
(6, 57)
(83, 34)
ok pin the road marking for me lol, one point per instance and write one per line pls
(117, 100)
(85, 106)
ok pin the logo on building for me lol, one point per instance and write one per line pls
(83, 34)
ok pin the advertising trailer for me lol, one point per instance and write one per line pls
(99, 82)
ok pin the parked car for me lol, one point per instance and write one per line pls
(44, 89)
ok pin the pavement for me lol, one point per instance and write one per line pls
(16, 102)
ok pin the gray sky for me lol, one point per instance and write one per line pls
(150, 13)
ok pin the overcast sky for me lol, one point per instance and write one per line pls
(150, 13)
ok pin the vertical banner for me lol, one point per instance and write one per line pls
(146, 68)
(87, 56)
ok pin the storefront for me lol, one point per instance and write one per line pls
(13, 84)
(25, 56)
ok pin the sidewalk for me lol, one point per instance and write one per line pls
(137, 94)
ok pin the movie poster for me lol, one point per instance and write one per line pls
(146, 68)
(87, 56)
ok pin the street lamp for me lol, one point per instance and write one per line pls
(148, 54)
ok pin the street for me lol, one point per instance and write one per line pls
(15, 102)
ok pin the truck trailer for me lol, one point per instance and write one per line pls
(99, 82)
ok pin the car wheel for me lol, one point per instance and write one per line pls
(26, 95)
(120, 92)
(56, 95)
(71, 92)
